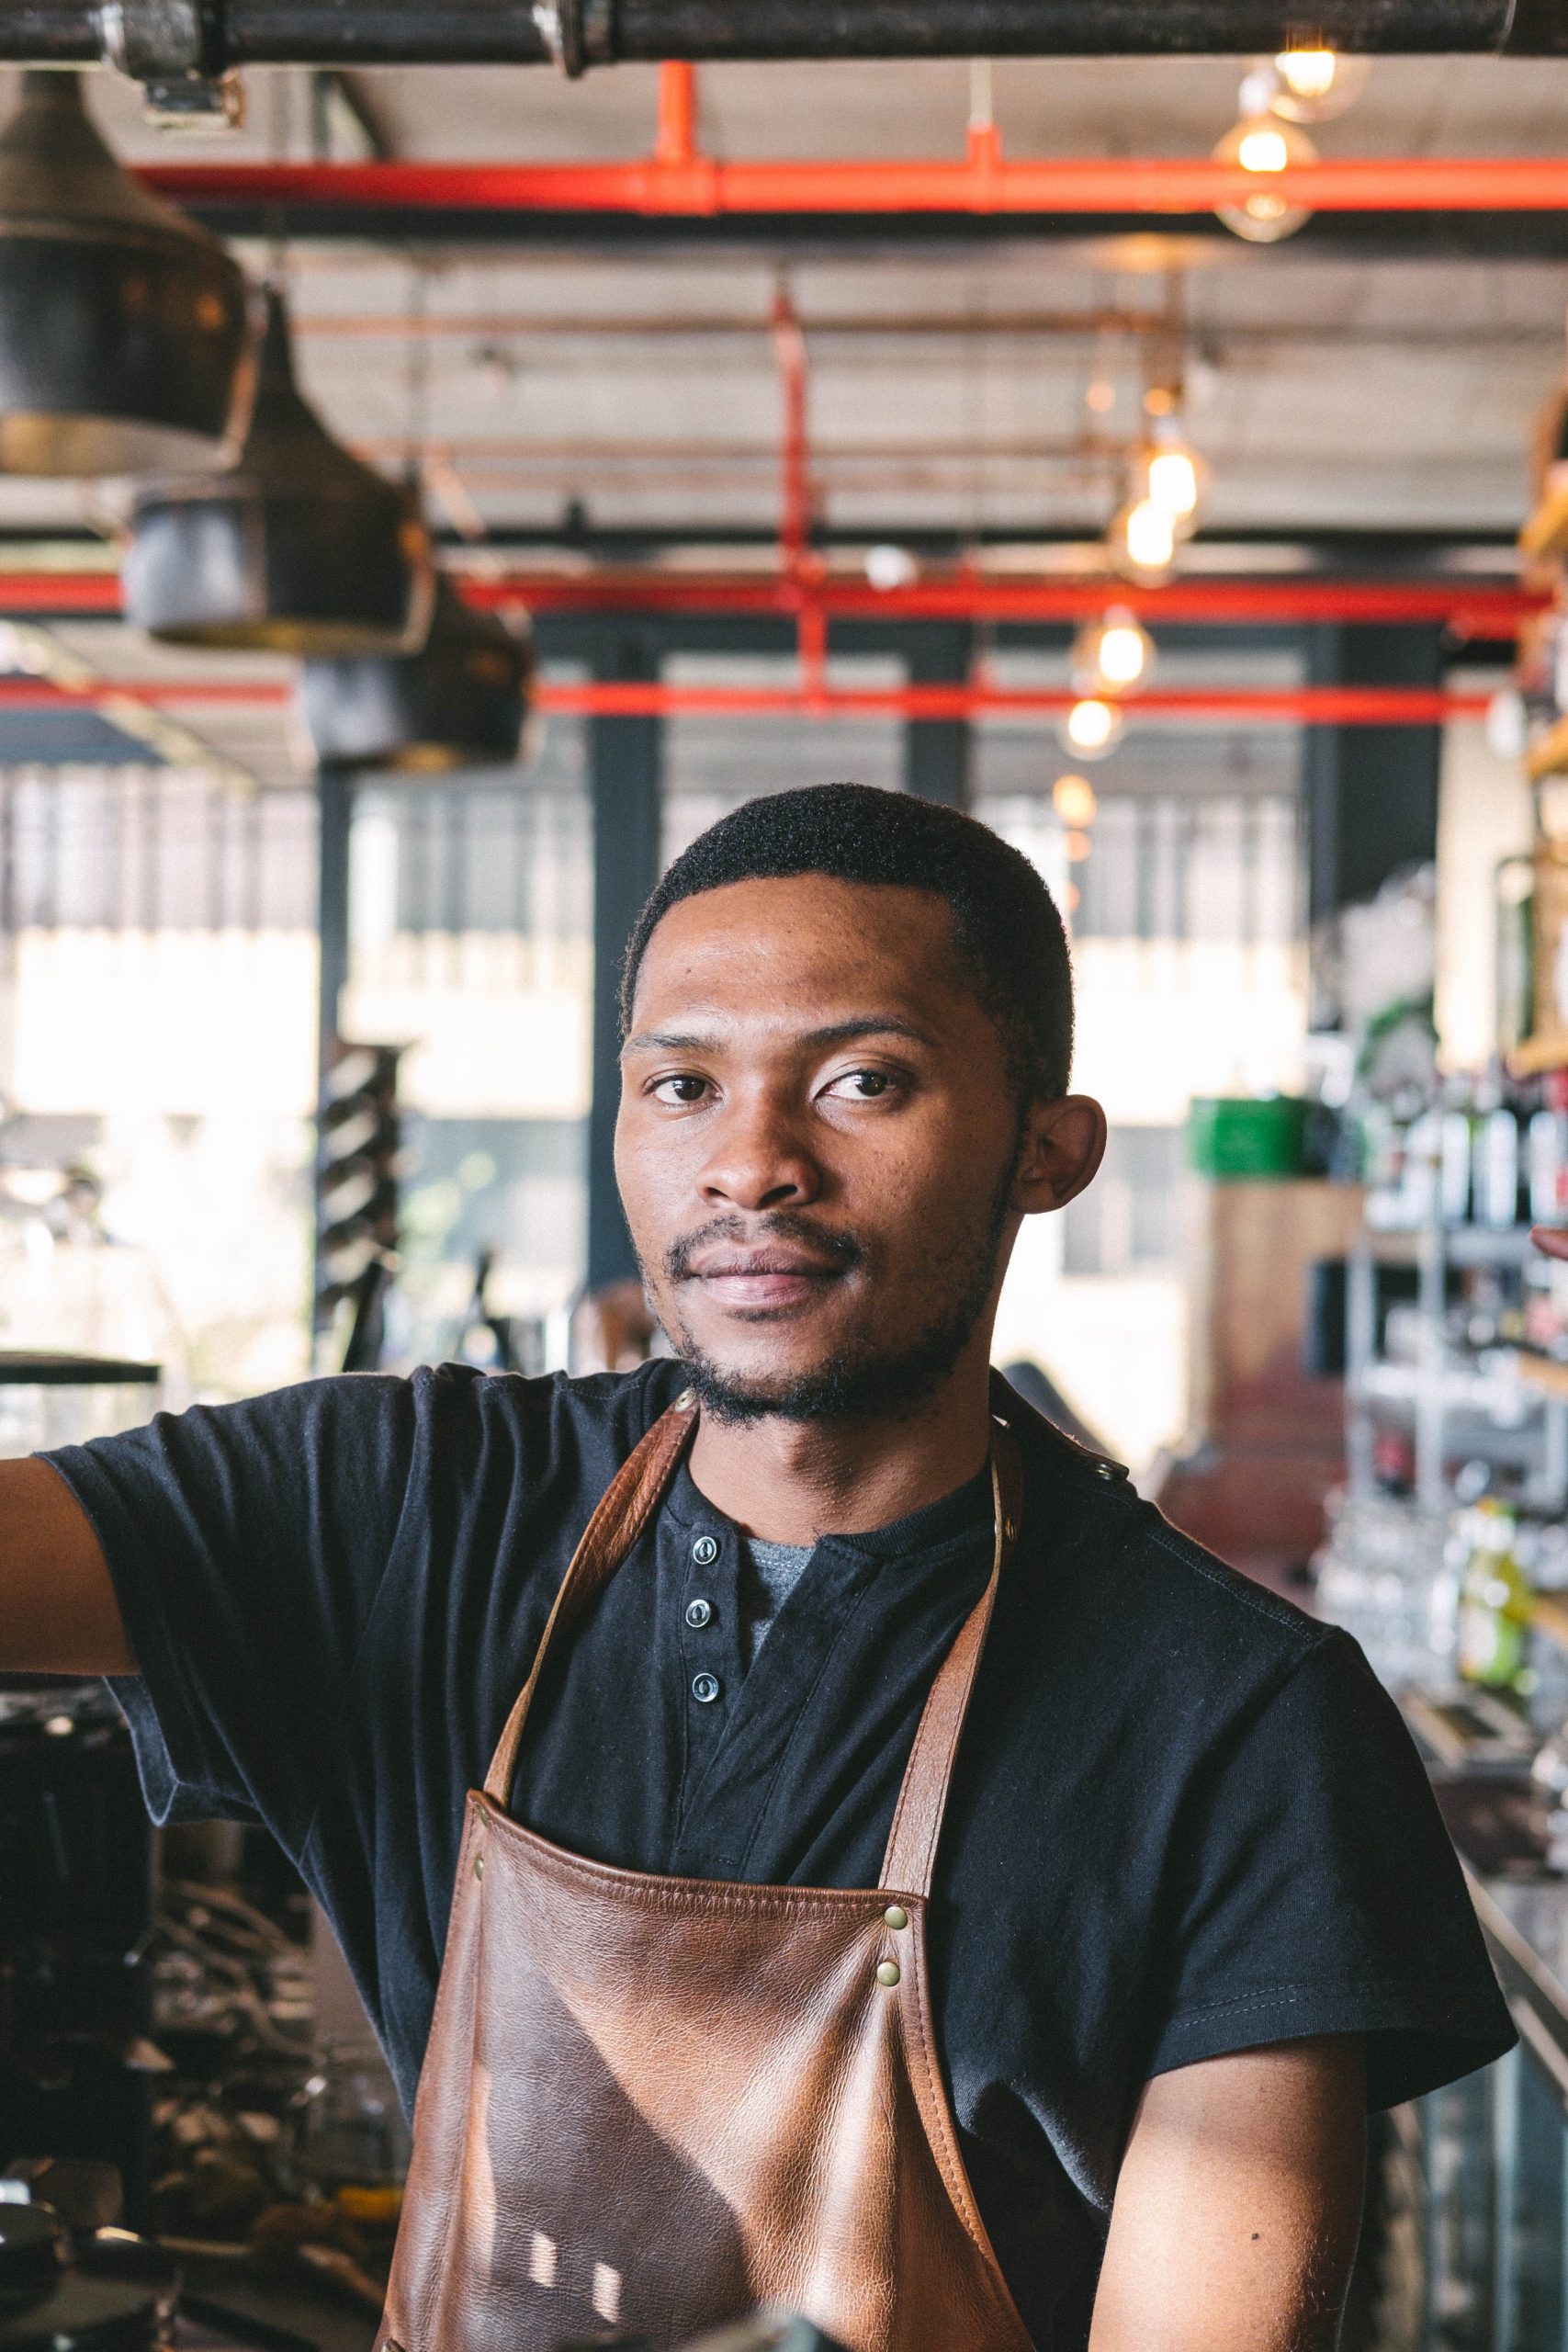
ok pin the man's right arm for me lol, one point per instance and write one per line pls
(58, 1611)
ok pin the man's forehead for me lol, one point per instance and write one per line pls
(805, 917)
(805, 950)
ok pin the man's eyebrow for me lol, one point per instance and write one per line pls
(667, 1041)
(837, 1033)
(877, 1025)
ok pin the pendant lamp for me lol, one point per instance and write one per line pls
(125, 330)
(298, 548)
(458, 703)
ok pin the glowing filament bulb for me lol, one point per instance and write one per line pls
(1123, 653)
(1262, 147)
(1173, 481)
(1307, 72)
(1151, 535)
(1073, 798)
(1092, 725)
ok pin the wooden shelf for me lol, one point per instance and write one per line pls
(1544, 1372)
(1549, 756)
(1546, 533)
(1549, 1615)
(1532, 1055)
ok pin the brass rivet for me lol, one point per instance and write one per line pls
(478, 1866)
(895, 1915)
(887, 1974)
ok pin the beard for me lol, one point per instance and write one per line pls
(858, 1380)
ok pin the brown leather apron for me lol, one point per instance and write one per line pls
(651, 2104)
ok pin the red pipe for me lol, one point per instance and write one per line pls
(983, 182)
(675, 142)
(1468, 609)
(612, 699)
(1254, 706)
(1478, 609)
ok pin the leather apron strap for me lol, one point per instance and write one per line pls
(625, 1510)
(910, 1858)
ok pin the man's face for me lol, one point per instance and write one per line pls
(818, 1144)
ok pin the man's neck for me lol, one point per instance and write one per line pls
(790, 1482)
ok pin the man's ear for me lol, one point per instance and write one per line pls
(1064, 1143)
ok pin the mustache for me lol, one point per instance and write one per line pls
(842, 1249)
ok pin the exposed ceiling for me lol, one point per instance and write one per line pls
(562, 385)
(1326, 392)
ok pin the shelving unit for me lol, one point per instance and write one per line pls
(1511, 1409)
(1549, 756)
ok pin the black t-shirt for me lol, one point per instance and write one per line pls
(1185, 1818)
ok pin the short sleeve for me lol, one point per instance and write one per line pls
(1315, 1890)
(247, 1543)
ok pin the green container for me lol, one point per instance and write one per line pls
(1233, 1136)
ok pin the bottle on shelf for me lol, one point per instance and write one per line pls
(1496, 1599)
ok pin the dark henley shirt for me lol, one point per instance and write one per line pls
(1185, 1818)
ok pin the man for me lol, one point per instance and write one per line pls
(1192, 1908)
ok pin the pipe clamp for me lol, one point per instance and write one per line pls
(578, 33)
(174, 49)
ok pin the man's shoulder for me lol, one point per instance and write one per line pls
(1121, 1558)
(555, 1419)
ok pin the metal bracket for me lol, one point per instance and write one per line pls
(174, 49)
(578, 33)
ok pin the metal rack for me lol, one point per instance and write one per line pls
(1514, 1410)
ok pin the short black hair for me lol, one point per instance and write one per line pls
(1006, 928)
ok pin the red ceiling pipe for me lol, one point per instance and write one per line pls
(676, 141)
(1491, 611)
(615, 698)
(1479, 609)
(1248, 705)
(982, 182)
(1482, 609)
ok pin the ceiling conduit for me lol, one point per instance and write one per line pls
(208, 37)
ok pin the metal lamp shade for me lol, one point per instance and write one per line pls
(298, 548)
(125, 330)
(460, 703)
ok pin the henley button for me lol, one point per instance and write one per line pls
(704, 1689)
(705, 1551)
(699, 1614)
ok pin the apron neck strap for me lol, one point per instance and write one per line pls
(910, 1858)
(627, 1504)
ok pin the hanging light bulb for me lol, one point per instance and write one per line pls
(459, 702)
(1262, 147)
(1314, 84)
(1093, 727)
(1142, 541)
(1073, 798)
(298, 550)
(1173, 476)
(1114, 653)
(125, 330)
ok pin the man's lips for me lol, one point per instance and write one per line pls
(763, 1277)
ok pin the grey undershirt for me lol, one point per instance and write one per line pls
(772, 1573)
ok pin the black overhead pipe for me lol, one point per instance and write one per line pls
(209, 36)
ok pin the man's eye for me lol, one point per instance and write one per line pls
(685, 1088)
(862, 1085)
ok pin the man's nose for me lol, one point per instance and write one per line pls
(761, 1158)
